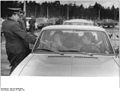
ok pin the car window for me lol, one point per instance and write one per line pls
(79, 40)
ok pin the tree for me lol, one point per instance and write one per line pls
(56, 9)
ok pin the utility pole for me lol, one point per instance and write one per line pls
(0, 9)
(35, 11)
(99, 14)
(119, 37)
(47, 12)
(67, 12)
(24, 7)
(115, 15)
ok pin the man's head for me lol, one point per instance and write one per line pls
(87, 38)
(13, 13)
(57, 36)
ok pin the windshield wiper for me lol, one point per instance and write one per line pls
(69, 50)
(45, 49)
(85, 53)
(55, 51)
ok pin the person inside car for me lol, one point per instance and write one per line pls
(56, 42)
(88, 45)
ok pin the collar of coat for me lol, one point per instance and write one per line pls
(11, 19)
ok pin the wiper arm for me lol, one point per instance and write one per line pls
(70, 50)
(45, 49)
(85, 53)
(55, 51)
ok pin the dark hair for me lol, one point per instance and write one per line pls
(10, 13)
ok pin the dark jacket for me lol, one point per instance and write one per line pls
(17, 40)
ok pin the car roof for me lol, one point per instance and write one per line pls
(75, 27)
(79, 20)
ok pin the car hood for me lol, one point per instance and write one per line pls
(70, 65)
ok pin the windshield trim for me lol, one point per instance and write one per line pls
(78, 53)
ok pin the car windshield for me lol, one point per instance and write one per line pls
(70, 41)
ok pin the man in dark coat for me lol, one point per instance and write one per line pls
(17, 40)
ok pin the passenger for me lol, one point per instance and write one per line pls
(88, 45)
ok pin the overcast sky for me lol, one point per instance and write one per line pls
(86, 3)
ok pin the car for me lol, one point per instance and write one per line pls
(79, 22)
(28, 25)
(71, 50)
(41, 22)
(27, 22)
(52, 21)
(107, 23)
(1, 21)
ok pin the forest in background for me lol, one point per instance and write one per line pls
(56, 9)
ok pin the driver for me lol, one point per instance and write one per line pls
(56, 42)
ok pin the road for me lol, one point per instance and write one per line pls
(5, 69)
